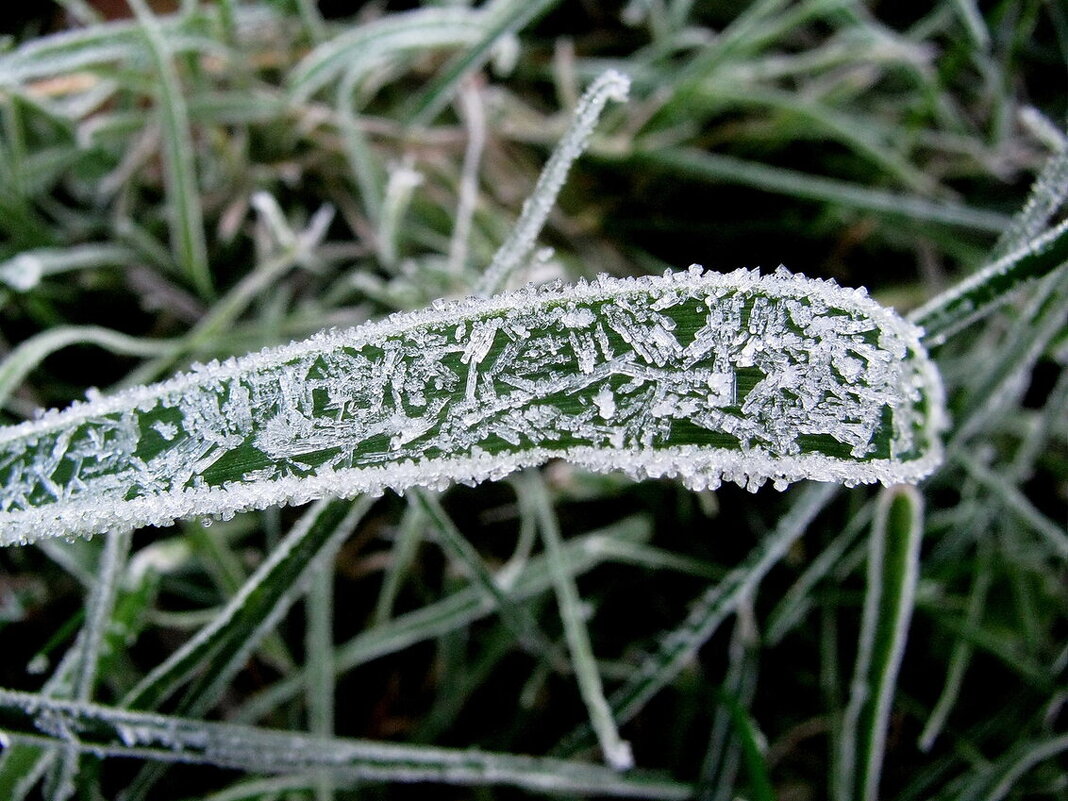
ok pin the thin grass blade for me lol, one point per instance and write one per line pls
(265, 595)
(183, 192)
(452, 613)
(708, 612)
(716, 167)
(616, 751)
(893, 572)
(108, 731)
(508, 20)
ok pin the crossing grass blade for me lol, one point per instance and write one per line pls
(452, 613)
(250, 613)
(707, 613)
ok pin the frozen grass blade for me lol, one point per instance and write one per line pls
(1015, 503)
(401, 185)
(760, 785)
(26, 270)
(515, 250)
(644, 375)
(409, 536)
(22, 765)
(962, 649)
(319, 657)
(108, 731)
(474, 117)
(313, 21)
(992, 286)
(997, 780)
(997, 387)
(361, 47)
(361, 158)
(1047, 195)
(797, 601)
(517, 617)
(893, 571)
(973, 22)
(870, 141)
(71, 51)
(99, 608)
(731, 724)
(616, 751)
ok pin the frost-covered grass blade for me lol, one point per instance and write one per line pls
(696, 375)
(109, 731)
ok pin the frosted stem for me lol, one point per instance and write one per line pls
(616, 751)
(611, 85)
(470, 107)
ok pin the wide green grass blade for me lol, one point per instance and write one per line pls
(641, 376)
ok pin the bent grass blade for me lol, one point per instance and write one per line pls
(109, 731)
(699, 376)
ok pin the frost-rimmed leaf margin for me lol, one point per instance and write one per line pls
(698, 466)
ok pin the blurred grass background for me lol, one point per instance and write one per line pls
(163, 175)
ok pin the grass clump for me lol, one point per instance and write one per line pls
(182, 189)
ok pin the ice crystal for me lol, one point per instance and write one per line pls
(698, 376)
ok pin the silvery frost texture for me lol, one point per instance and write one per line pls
(694, 375)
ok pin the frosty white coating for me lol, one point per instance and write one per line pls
(693, 375)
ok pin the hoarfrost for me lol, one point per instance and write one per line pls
(703, 377)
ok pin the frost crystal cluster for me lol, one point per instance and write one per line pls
(699, 376)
